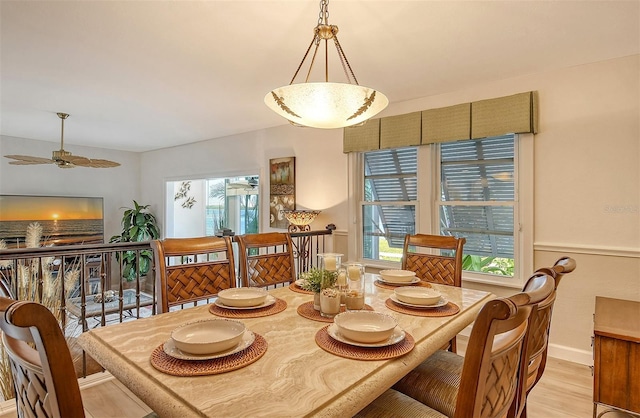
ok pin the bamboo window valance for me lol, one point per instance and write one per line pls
(511, 114)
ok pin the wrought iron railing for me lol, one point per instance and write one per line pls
(84, 282)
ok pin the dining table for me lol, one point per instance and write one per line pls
(295, 371)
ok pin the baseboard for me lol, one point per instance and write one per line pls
(574, 355)
(8, 407)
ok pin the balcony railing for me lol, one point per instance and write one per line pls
(83, 284)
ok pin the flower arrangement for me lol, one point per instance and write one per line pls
(315, 279)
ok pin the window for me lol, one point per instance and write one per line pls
(198, 207)
(388, 207)
(477, 201)
(481, 190)
(232, 203)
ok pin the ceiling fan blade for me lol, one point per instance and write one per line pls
(98, 163)
(28, 160)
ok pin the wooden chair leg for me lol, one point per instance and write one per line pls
(453, 346)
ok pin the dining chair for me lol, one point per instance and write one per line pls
(482, 384)
(495, 362)
(540, 327)
(189, 270)
(266, 259)
(423, 254)
(42, 368)
(44, 377)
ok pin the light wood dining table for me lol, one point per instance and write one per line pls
(294, 378)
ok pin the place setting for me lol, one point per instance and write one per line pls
(420, 301)
(246, 302)
(298, 287)
(392, 279)
(365, 335)
(208, 347)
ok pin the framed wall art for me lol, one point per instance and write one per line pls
(282, 190)
(64, 220)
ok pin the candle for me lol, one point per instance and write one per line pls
(354, 272)
(330, 262)
(342, 278)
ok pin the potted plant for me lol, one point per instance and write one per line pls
(315, 280)
(138, 224)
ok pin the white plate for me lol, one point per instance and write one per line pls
(270, 300)
(440, 303)
(397, 336)
(413, 281)
(247, 339)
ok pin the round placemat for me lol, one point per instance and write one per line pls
(306, 310)
(176, 367)
(295, 288)
(279, 306)
(384, 285)
(324, 341)
(446, 310)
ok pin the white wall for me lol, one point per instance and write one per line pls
(118, 186)
(321, 168)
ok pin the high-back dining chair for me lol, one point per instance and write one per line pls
(266, 259)
(488, 381)
(484, 383)
(44, 378)
(189, 270)
(417, 256)
(434, 268)
(540, 327)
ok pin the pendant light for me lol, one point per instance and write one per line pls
(326, 104)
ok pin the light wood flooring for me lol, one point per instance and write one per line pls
(565, 391)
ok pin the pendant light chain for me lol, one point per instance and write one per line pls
(323, 16)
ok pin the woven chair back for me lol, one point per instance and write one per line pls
(189, 270)
(434, 268)
(266, 259)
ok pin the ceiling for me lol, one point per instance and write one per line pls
(145, 75)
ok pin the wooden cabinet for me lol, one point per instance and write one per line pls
(616, 345)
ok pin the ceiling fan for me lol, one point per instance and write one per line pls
(62, 158)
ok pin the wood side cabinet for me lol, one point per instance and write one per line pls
(616, 345)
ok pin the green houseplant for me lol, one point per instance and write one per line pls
(314, 280)
(138, 224)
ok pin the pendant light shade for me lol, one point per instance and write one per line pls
(326, 104)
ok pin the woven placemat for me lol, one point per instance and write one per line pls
(446, 310)
(324, 341)
(279, 306)
(295, 288)
(177, 367)
(384, 285)
(306, 310)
